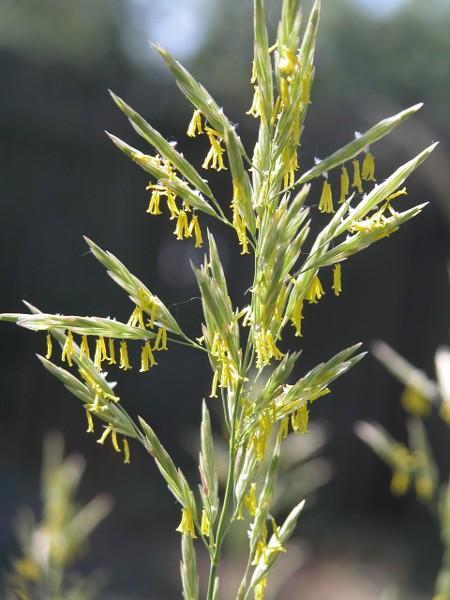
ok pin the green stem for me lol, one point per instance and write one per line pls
(228, 497)
(243, 590)
(222, 526)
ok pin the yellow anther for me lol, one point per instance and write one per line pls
(104, 435)
(161, 339)
(368, 167)
(186, 525)
(194, 227)
(205, 525)
(345, 185)
(49, 347)
(357, 183)
(195, 126)
(68, 349)
(315, 291)
(326, 199)
(112, 352)
(337, 283)
(114, 441)
(90, 421)
(126, 451)
(124, 360)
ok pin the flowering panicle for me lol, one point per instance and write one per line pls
(271, 219)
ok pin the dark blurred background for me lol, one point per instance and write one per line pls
(61, 178)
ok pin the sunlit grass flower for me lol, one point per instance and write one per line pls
(254, 378)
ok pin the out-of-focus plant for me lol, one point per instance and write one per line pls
(413, 465)
(265, 207)
(50, 547)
